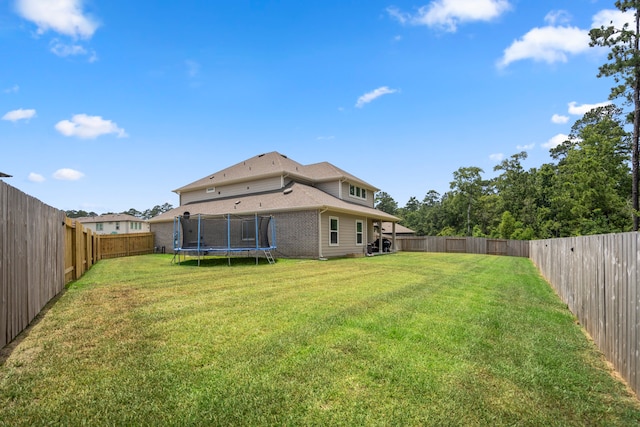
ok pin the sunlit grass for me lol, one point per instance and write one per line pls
(406, 339)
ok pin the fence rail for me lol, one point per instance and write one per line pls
(469, 245)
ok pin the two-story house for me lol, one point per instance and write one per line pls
(320, 211)
(115, 224)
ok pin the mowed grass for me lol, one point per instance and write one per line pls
(406, 339)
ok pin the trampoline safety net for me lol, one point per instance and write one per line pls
(201, 234)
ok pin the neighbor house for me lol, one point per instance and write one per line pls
(115, 224)
(319, 210)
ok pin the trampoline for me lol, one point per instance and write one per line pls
(200, 235)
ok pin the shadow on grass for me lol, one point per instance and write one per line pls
(7, 350)
(223, 262)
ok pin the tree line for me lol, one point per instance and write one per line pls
(592, 186)
(586, 189)
(146, 214)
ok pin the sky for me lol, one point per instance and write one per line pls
(108, 105)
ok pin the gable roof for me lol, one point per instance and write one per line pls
(295, 197)
(274, 164)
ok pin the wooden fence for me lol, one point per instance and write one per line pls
(469, 245)
(597, 277)
(81, 250)
(32, 259)
(119, 245)
(41, 251)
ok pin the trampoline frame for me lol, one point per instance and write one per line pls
(201, 248)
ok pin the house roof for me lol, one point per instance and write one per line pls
(109, 218)
(387, 228)
(295, 197)
(274, 164)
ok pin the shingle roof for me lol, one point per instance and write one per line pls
(297, 197)
(273, 164)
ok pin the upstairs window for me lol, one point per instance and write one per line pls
(357, 192)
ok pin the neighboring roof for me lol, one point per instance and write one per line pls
(109, 218)
(4, 175)
(387, 228)
(273, 164)
(296, 197)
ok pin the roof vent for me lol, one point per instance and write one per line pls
(288, 190)
(283, 156)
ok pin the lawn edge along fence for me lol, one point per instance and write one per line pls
(41, 250)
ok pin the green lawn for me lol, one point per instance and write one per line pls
(406, 339)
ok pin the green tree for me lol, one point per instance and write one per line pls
(468, 187)
(592, 187)
(156, 210)
(507, 226)
(624, 67)
(385, 203)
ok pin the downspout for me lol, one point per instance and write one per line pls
(320, 232)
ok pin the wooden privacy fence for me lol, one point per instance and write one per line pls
(119, 245)
(597, 277)
(81, 250)
(41, 251)
(469, 245)
(32, 259)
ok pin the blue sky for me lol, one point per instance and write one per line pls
(111, 105)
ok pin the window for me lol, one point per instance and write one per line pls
(211, 190)
(333, 231)
(117, 226)
(359, 232)
(99, 226)
(357, 192)
(248, 230)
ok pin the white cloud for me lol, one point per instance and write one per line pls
(326, 138)
(559, 119)
(547, 44)
(62, 49)
(612, 17)
(66, 174)
(496, 157)
(556, 140)
(581, 110)
(193, 68)
(62, 16)
(89, 127)
(526, 147)
(12, 89)
(35, 177)
(557, 17)
(448, 14)
(376, 93)
(19, 114)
